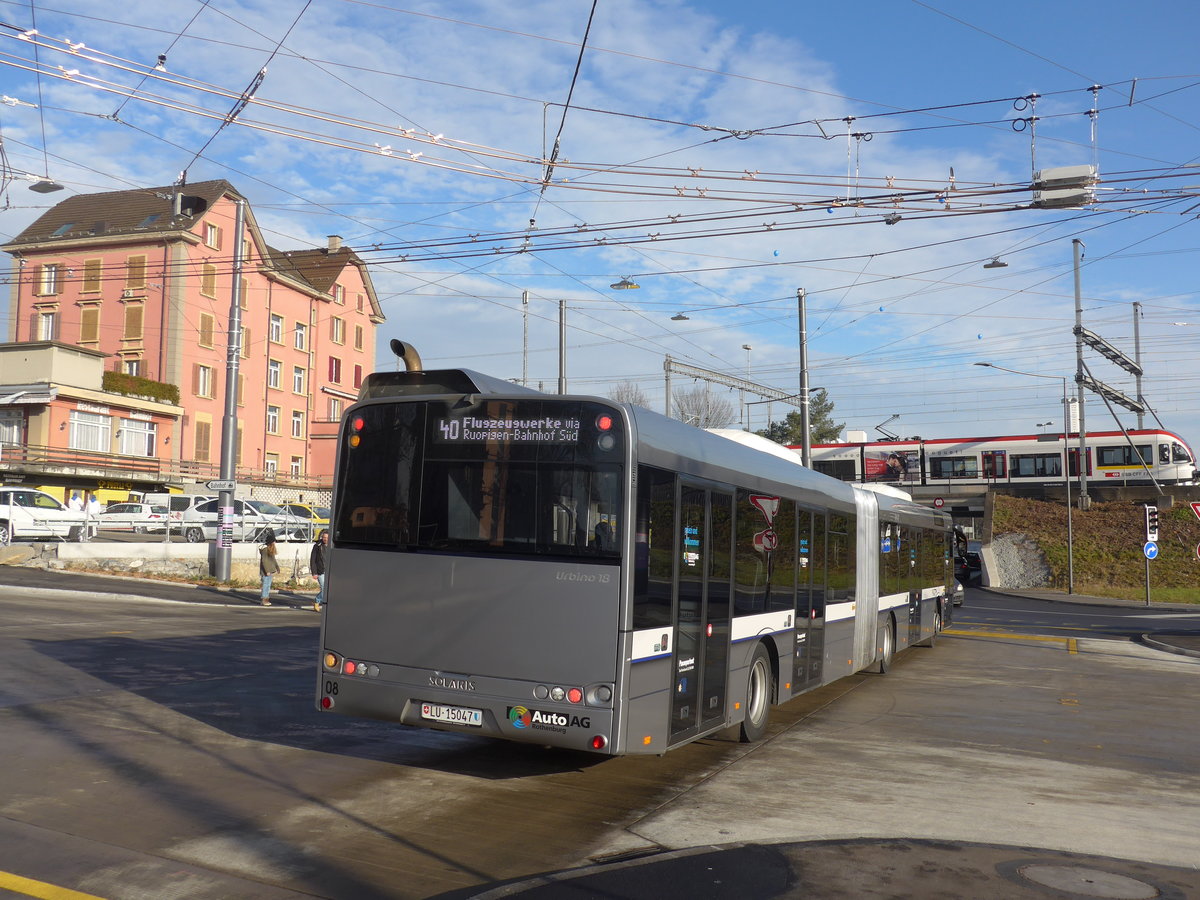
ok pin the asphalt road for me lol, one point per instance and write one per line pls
(166, 745)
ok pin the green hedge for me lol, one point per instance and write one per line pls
(137, 386)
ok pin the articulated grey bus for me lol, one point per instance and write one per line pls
(586, 574)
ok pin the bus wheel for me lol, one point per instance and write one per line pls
(759, 690)
(885, 641)
(937, 629)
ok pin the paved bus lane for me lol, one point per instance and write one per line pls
(154, 746)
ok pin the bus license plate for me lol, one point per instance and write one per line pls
(456, 715)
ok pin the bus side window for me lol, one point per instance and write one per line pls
(654, 548)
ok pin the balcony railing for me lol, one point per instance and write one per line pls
(33, 461)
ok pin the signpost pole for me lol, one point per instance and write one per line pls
(1147, 581)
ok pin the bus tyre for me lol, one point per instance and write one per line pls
(193, 535)
(885, 643)
(760, 688)
(937, 628)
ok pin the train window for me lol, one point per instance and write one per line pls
(953, 467)
(1122, 455)
(1179, 453)
(842, 469)
(1033, 465)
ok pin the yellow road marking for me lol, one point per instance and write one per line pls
(1069, 643)
(41, 889)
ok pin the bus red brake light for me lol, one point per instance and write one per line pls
(575, 695)
(604, 423)
(351, 667)
(358, 424)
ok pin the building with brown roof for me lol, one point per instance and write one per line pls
(146, 277)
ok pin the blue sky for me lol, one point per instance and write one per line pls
(705, 154)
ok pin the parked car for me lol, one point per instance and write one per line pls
(27, 513)
(136, 517)
(251, 520)
(313, 518)
(178, 504)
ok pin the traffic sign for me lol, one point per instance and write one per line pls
(938, 503)
(1196, 509)
(221, 485)
(1150, 549)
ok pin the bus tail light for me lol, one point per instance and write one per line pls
(575, 695)
(599, 742)
(327, 702)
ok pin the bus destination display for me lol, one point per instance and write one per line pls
(476, 430)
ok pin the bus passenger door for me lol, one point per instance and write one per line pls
(702, 613)
(807, 650)
(717, 613)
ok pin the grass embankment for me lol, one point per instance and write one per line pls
(1108, 541)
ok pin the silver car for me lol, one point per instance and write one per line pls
(252, 519)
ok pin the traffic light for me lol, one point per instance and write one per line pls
(1152, 523)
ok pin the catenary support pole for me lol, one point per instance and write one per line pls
(224, 553)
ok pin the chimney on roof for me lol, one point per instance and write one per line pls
(335, 243)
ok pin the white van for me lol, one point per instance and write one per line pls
(27, 513)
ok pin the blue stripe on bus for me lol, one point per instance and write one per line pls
(651, 658)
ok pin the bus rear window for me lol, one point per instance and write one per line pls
(536, 477)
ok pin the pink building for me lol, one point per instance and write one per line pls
(146, 276)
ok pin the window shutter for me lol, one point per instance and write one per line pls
(196, 379)
(135, 272)
(89, 325)
(92, 271)
(133, 322)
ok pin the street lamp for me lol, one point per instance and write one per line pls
(1066, 460)
(1043, 425)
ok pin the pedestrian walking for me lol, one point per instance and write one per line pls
(93, 515)
(268, 564)
(318, 561)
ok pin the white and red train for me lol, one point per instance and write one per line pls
(1015, 460)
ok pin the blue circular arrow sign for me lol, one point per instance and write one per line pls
(1151, 550)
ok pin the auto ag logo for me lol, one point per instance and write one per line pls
(519, 716)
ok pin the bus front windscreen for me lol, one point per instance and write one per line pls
(526, 477)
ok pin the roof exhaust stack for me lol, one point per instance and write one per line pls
(408, 353)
